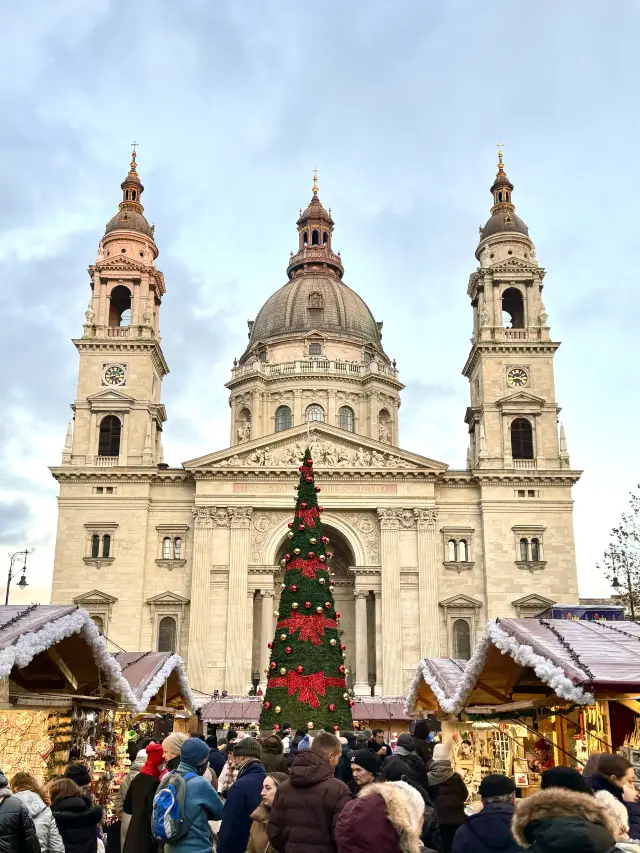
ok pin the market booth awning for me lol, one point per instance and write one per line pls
(234, 709)
(522, 663)
(56, 651)
(158, 681)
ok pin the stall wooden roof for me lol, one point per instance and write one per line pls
(234, 709)
(533, 661)
(149, 672)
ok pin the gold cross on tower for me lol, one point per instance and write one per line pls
(315, 182)
(134, 145)
(500, 146)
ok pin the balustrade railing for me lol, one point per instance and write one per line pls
(319, 365)
(524, 463)
(106, 461)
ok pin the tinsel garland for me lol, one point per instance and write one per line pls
(174, 662)
(565, 644)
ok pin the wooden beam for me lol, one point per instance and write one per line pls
(495, 693)
(513, 680)
(64, 669)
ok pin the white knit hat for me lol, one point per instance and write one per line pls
(442, 752)
(413, 802)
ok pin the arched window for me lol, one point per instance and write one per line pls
(512, 308)
(177, 548)
(347, 419)
(166, 548)
(314, 412)
(126, 195)
(109, 438)
(463, 551)
(106, 545)
(524, 550)
(283, 418)
(167, 634)
(325, 238)
(99, 623)
(461, 639)
(452, 548)
(95, 546)
(305, 238)
(535, 550)
(521, 439)
(315, 237)
(120, 304)
(133, 195)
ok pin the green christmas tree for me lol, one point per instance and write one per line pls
(306, 680)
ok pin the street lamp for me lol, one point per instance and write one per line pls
(255, 680)
(15, 570)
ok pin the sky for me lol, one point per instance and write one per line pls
(399, 106)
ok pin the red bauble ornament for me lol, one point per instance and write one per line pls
(336, 728)
(303, 505)
(318, 489)
(301, 468)
(290, 525)
(351, 703)
(311, 555)
(309, 462)
(287, 556)
(309, 479)
(288, 650)
(301, 527)
(320, 509)
(273, 664)
(332, 707)
(341, 667)
(266, 706)
(269, 645)
(276, 727)
(337, 615)
(342, 647)
(293, 588)
(307, 604)
(300, 668)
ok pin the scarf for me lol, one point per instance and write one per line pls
(400, 750)
(439, 772)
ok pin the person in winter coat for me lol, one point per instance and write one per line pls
(273, 759)
(229, 772)
(489, 831)
(171, 747)
(295, 743)
(378, 745)
(343, 768)
(567, 778)
(36, 801)
(410, 769)
(424, 748)
(384, 818)
(243, 798)
(561, 821)
(258, 838)
(76, 817)
(404, 747)
(118, 805)
(613, 787)
(307, 805)
(217, 758)
(17, 830)
(448, 793)
(79, 773)
(139, 802)
(365, 766)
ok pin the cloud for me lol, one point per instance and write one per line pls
(15, 517)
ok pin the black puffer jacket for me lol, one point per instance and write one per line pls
(17, 831)
(77, 820)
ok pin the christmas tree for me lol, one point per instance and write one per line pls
(306, 682)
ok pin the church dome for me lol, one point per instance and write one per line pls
(130, 216)
(503, 219)
(315, 301)
(129, 220)
(501, 223)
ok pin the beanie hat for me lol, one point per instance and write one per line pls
(232, 734)
(406, 742)
(222, 741)
(248, 746)
(441, 752)
(421, 730)
(194, 752)
(565, 777)
(367, 759)
(286, 727)
(79, 774)
(496, 785)
(413, 802)
(173, 742)
(155, 757)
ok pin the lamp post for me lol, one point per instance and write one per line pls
(15, 570)
(255, 680)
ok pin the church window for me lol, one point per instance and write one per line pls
(315, 349)
(325, 238)
(535, 550)
(315, 237)
(283, 418)
(133, 195)
(109, 437)
(499, 196)
(524, 550)
(347, 419)
(166, 548)
(167, 634)
(452, 548)
(314, 412)
(315, 300)
(368, 356)
(177, 548)
(512, 309)
(461, 639)
(462, 550)
(106, 545)
(126, 195)
(521, 439)
(120, 306)
(305, 238)
(95, 546)
(99, 623)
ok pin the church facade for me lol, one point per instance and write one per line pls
(188, 559)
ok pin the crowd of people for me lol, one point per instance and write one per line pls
(296, 792)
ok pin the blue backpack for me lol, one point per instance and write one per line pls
(168, 822)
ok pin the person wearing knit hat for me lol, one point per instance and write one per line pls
(567, 778)
(118, 805)
(79, 774)
(172, 745)
(448, 793)
(365, 766)
(489, 831)
(139, 802)
(243, 797)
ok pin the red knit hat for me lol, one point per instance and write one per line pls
(155, 757)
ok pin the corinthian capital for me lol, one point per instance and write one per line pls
(208, 517)
(240, 516)
(389, 518)
(426, 519)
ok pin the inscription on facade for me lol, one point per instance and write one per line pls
(327, 488)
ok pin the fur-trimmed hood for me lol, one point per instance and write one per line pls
(396, 812)
(577, 818)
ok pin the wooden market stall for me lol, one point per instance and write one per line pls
(536, 693)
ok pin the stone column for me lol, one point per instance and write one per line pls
(361, 687)
(92, 443)
(266, 633)
(237, 640)
(199, 619)
(427, 583)
(377, 690)
(390, 577)
(297, 408)
(124, 440)
(331, 409)
(248, 664)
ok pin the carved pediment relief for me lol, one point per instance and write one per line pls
(94, 597)
(517, 265)
(520, 399)
(329, 448)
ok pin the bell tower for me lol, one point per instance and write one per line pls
(118, 415)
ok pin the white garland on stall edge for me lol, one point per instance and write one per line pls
(174, 662)
(106, 662)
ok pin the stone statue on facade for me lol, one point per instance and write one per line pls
(89, 313)
(244, 431)
(383, 433)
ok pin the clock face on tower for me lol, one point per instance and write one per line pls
(114, 374)
(517, 377)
